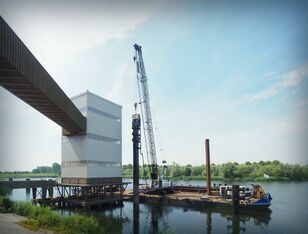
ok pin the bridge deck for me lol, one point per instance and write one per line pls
(27, 184)
(22, 75)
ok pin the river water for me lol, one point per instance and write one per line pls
(288, 214)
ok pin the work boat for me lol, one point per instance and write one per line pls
(258, 199)
(255, 198)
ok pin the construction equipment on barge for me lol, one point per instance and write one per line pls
(235, 196)
(195, 196)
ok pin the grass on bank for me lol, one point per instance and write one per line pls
(46, 218)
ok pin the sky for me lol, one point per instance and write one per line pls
(235, 72)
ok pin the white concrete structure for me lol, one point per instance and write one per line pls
(96, 156)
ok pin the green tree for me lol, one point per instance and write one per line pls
(187, 171)
(229, 170)
(215, 171)
(261, 163)
(197, 171)
(176, 171)
(56, 167)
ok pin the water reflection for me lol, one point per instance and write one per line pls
(240, 223)
(155, 218)
(136, 212)
(209, 222)
(246, 221)
(159, 218)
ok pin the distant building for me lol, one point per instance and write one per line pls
(94, 157)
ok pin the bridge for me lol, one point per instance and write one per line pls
(22, 75)
(18, 184)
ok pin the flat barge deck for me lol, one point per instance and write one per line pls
(189, 196)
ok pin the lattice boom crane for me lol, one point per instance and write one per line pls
(146, 113)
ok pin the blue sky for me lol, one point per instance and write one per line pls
(234, 72)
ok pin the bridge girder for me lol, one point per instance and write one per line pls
(23, 75)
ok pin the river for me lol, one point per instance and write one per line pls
(288, 214)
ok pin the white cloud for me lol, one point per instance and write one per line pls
(295, 77)
(59, 35)
(290, 79)
(121, 87)
(264, 94)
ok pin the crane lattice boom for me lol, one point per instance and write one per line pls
(146, 112)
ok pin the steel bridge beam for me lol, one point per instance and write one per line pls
(22, 75)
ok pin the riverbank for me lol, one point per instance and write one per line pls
(221, 178)
(185, 178)
(12, 224)
(45, 218)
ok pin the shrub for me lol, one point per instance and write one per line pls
(80, 224)
(47, 218)
(5, 204)
(22, 208)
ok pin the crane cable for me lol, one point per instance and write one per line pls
(159, 141)
(143, 167)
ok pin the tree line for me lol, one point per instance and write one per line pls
(227, 171)
(47, 171)
(55, 168)
(272, 170)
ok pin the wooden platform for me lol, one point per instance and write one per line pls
(75, 202)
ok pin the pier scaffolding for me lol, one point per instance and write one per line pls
(86, 196)
(50, 192)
